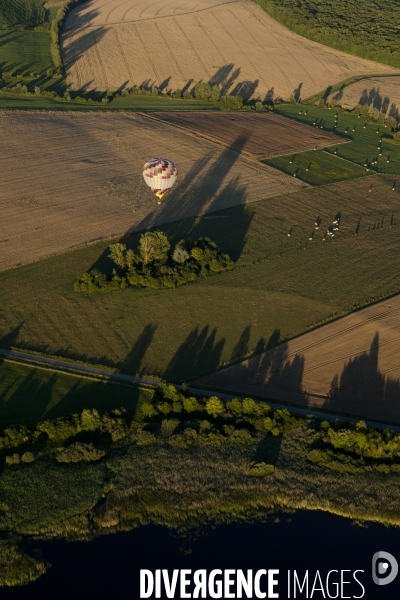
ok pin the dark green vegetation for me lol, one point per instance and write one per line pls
(366, 29)
(280, 286)
(182, 462)
(22, 13)
(25, 52)
(369, 148)
(156, 103)
(355, 449)
(155, 265)
(28, 394)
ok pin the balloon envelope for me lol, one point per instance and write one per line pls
(160, 175)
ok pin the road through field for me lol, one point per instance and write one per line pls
(114, 44)
(350, 366)
(70, 179)
(47, 363)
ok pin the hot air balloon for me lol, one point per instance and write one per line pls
(160, 175)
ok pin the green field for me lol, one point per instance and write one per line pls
(361, 142)
(365, 29)
(317, 167)
(28, 394)
(25, 52)
(25, 13)
(21, 102)
(280, 286)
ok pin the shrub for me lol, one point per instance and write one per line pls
(13, 460)
(28, 457)
(261, 469)
(214, 406)
(79, 452)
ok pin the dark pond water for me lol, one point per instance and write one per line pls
(108, 567)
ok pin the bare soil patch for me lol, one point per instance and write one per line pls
(351, 366)
(261, 135)
(111, 45)
(382, 93)
(72, 178)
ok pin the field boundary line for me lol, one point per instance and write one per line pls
(112, 23)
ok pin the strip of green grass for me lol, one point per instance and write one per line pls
(29, 394)
(363, 141)
(25, 52)
(317, 168)
(280, 287)
(135, 103)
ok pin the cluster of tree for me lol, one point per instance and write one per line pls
(30, 441)
(373, 114)
(355, 448)
(155, 264)
(55, 30)
(79, 452)
(361, 28)
(183, 419)
(204, 91)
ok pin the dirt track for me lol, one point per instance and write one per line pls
(72, 178)
(174, 44)
(382, 93)
(351, 366)
(264, 134)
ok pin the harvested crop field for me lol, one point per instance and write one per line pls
(79, 178)
(382, 93)
(351, 366)
(110, 45)
(265, 134)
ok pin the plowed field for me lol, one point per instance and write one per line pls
(68, 179)
(351, 366)
(175, 44)
(264, 134)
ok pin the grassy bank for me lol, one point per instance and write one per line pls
(13, 101)
(28, 394)
(194, 462)
(280, 286)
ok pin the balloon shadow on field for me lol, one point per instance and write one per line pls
(203, 187)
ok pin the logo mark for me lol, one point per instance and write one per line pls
(381, 561)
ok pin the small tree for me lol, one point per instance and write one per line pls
(215, 94)
(202, 91)
(37, 90)
(214, 406)
(153, 245)
(180, 254)
(117, 254)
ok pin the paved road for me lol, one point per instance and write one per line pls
(77, 369)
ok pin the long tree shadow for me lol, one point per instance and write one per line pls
(133, 360)
(200, 352)
(362, 382)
